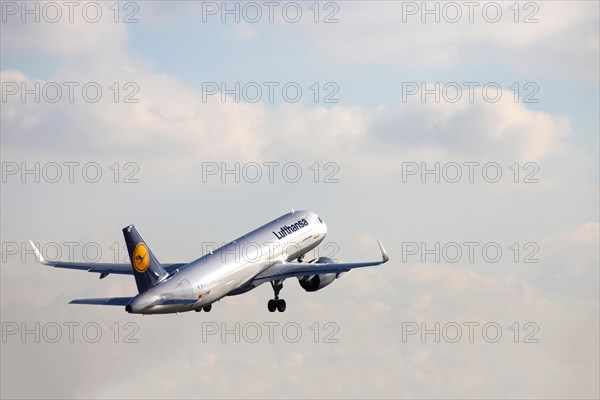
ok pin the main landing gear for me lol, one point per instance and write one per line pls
(205, 308)
(276, 303)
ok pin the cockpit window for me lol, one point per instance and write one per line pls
(320, 220)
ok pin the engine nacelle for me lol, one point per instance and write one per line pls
(318, 282)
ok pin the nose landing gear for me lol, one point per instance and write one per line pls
(276, 303)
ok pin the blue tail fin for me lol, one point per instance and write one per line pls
(146, 268)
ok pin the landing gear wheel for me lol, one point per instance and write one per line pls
(276, 303)
(198, 309)
(207, 308)
(281, 305)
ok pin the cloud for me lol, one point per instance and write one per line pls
(171, 119)
(80, 33)
(171, 129)
(570, 265)
(503, 130)
(168, 118)
(394, 34)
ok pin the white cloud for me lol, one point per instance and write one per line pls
(92, 34)
(503, 130)
(570, 264)
(172, 119)
(173, 129)
(370, 33)
(168, 119)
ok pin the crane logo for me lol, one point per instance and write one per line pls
(141, 259)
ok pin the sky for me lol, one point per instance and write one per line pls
(464, 136)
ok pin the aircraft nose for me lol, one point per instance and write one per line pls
(322, 226)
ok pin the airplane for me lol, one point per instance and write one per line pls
(272, 253)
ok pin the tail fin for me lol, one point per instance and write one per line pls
(146, 268)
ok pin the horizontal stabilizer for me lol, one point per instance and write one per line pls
(107, 301)
(182, 301)
(123, 301)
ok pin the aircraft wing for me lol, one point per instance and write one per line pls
(102, 268)
(284, 270)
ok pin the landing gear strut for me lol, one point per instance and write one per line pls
(276, 303)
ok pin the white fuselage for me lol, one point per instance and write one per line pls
(229, 270)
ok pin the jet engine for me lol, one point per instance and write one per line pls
(317, 282)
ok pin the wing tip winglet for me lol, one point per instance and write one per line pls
(384, 254)
(38, 254)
